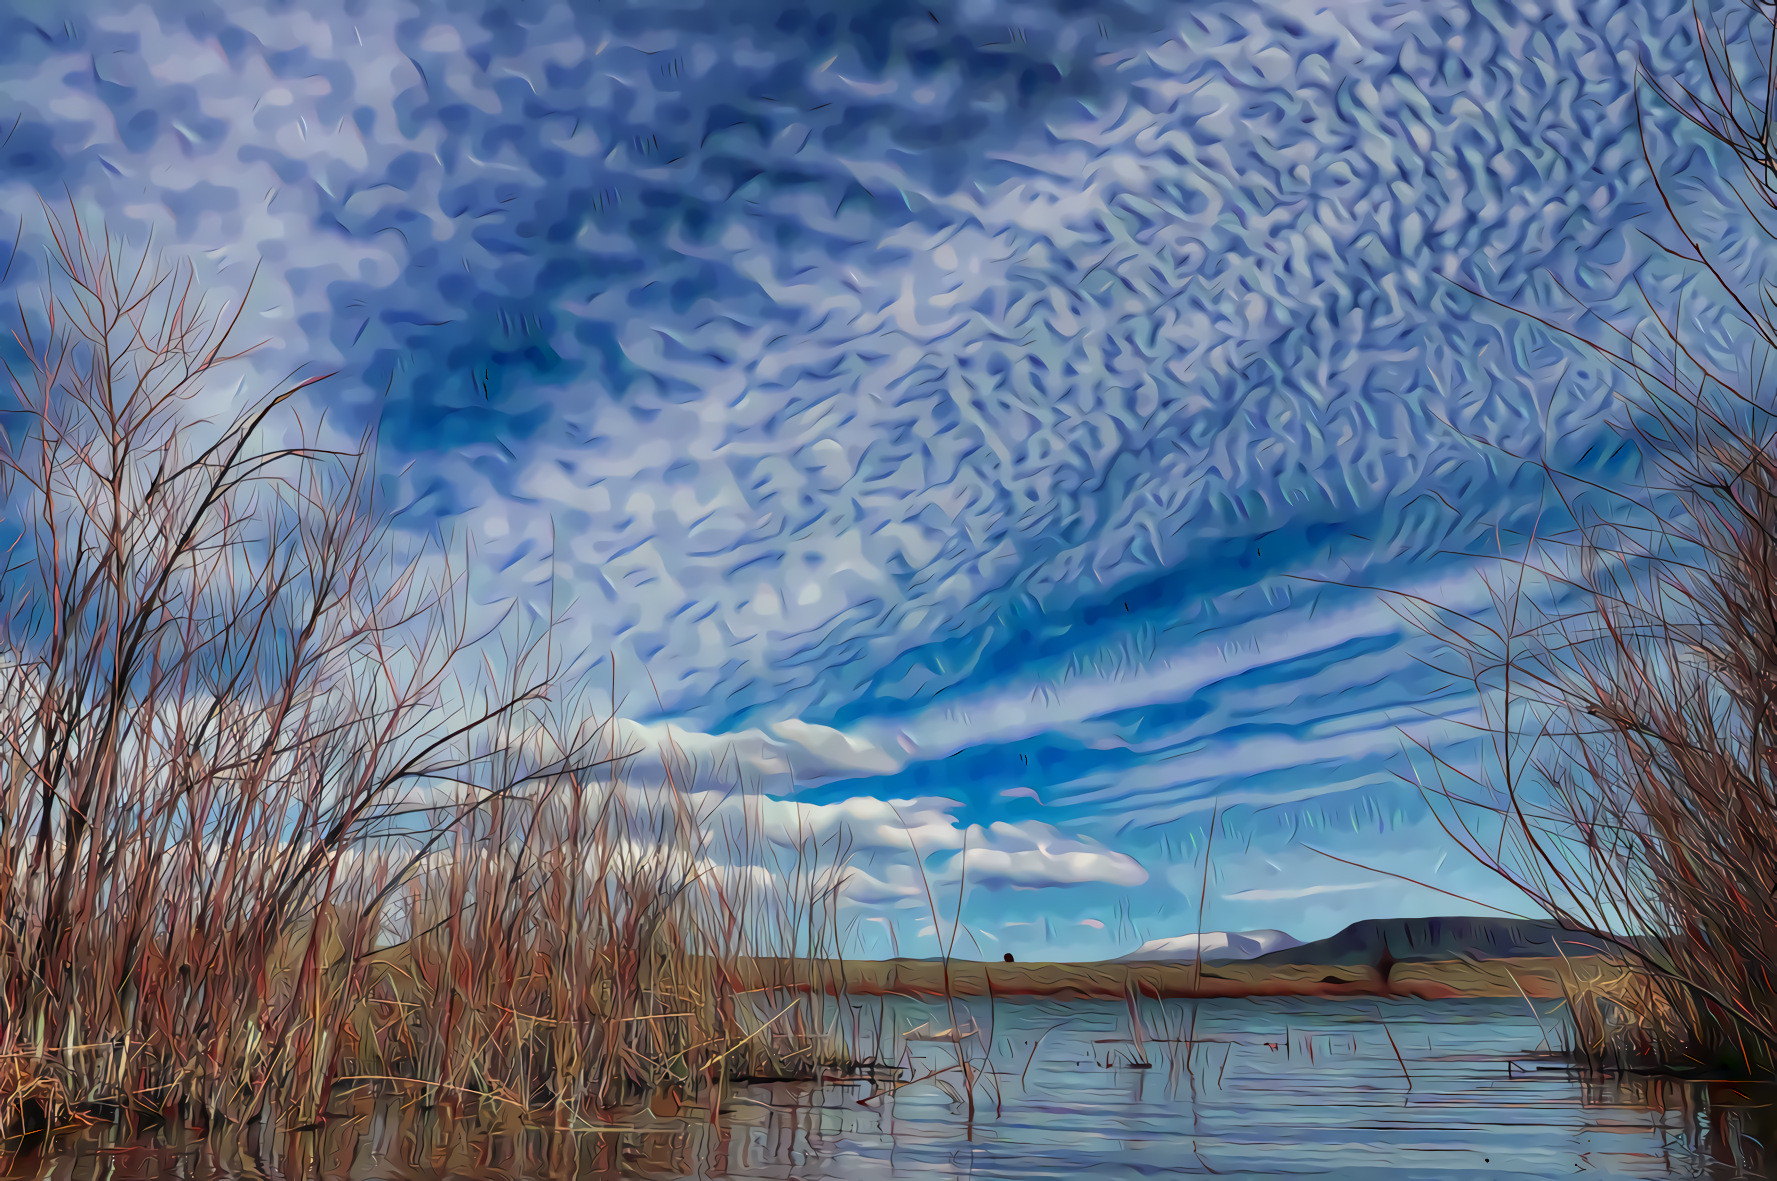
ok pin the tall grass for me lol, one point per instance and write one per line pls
(1628, 666)
(261, 834)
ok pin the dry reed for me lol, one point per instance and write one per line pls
(262, 836)
(1627, 668)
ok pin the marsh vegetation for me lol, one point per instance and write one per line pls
(1627, 660)
(1248, 1087)
(267, 826)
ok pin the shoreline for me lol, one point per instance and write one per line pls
(1538, 978)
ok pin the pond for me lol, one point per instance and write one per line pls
(1274, 1087)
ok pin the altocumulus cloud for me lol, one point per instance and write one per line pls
(820, 348)
(928, 410)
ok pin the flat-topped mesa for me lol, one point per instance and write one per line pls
(1441, 937)
(1373, 941)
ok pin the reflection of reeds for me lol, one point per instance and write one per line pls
(261, 835)
(404, 1142)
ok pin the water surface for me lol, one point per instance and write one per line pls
(1277, 1087)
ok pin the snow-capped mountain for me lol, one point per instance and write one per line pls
(1213, 946)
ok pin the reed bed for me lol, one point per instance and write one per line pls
(1627, 664)
(267, 827)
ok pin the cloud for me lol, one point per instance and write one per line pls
(802, 419)
(825, 752)
(1034, 855)
(860, 888)
(1288, 894)
(1239, 650)
(807, 427)
(868, 824)
(882, 837)
(793, 754)
(1338, 755)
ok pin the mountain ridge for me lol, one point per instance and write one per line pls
(1400, 940)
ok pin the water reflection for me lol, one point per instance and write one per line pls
(1266, 1088)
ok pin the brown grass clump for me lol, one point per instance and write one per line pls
(1620, 1019)
(261, 835)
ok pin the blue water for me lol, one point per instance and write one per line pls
(1280, 1087)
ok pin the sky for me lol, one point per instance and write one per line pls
(982, 424)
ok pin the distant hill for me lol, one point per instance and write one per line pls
(1212, 947)
(1442, 938)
